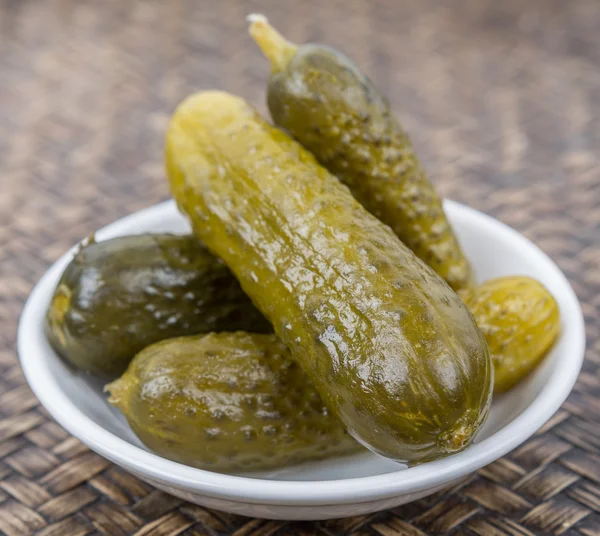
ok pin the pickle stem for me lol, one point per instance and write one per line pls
(276, 48)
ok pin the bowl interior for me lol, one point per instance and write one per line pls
(494, 250)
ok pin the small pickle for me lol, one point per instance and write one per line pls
(120, 295)
(520, 321)
(227, 402)
(390, 347)
(324, 101)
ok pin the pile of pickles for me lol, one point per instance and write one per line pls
(321, 305)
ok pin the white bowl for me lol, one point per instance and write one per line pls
(332, 488)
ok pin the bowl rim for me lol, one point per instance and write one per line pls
(246, 489)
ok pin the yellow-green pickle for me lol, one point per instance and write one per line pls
(227, 402)
(238, 402)
(120, 295)
(324, 101)
(520, 320)
(390, 347)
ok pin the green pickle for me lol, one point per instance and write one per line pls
(238, 402)
(120, 295)
(325, 102)
(391, 349)
(520, 320)
(227, 402)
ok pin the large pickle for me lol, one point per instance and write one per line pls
(324, 101)
(227, 402)
(520, 320)
(120, 295)
(390, 347)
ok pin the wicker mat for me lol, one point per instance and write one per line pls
(502, 100)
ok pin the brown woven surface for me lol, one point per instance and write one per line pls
(503, 102)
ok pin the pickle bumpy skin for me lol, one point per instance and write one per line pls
(392, 350)
(227, 402)
(325, 102)
(520, 320)
(238, 402)
(120, 295)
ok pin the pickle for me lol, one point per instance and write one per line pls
(253, 407)
(520, 320)
(227, 402)
(325, 102)
(517, 342)
(120, 295)
(392, 350)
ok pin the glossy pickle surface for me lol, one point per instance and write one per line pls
(120, 295)
(389, 346)
(520, 321)
(518, 317)
(332, 108)
(237, 401)
(227, 402)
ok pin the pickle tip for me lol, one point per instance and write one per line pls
(276, 48)
(61, 302)
(115, 391)
(460, 436)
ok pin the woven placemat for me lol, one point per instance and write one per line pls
(501, 99)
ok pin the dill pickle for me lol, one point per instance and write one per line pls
(235, 401)
(520, 321)
(391, 349)
(325, 102)
(120, 295)
(227, 402)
